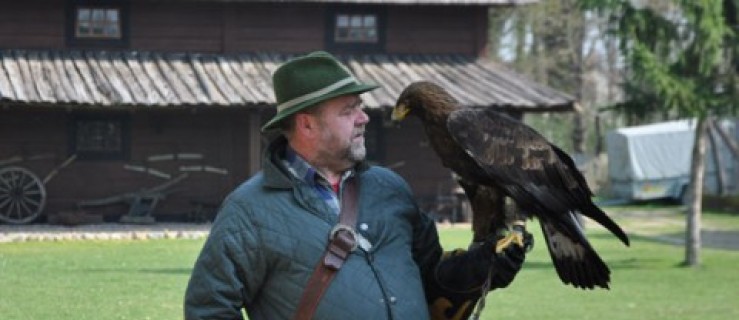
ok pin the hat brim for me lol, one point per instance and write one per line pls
(350, 89)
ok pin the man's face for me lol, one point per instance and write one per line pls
(342, 122)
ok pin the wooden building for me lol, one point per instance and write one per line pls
(103, 102)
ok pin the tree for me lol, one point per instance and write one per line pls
(681, 62)
(555, 43)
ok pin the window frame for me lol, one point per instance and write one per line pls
(122, 120)
(362, 28)
(331, 43)
(103, 24)
(74, 40)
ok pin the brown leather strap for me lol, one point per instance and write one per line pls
(342, 241)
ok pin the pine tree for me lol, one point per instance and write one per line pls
(681, 63)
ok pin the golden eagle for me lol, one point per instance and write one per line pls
(493, 154)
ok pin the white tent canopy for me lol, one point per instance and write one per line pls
(657, 151)
(653, 161)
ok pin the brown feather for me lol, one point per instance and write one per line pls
(493, 153)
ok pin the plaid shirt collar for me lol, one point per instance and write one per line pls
(302, 170)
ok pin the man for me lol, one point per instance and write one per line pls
(272, 231)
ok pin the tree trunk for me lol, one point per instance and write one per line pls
(718, 162)
(578, 133)
(598, 136)
(695, 189)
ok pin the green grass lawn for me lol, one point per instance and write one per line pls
(95, 280)
(146, 280)
(647, 283)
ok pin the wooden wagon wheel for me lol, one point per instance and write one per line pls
(22, 195)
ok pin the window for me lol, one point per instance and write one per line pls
(98, 137)
(97, 24)
(101, 23)
(355, 29)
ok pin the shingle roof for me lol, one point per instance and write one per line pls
(148, 79)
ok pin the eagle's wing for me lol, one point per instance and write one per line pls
(517, 159)
(530, 170)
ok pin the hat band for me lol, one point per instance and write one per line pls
(315, 94)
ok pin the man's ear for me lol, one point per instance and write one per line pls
(305, 123)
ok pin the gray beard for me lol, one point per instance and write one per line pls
(357, 152)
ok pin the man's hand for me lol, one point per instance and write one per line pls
(508, 253)
(499, 256)
(461, 275)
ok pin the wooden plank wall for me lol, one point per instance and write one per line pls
(289, 28)
(182, 26)
(408, 152)
(231, 27)
(220, 135)
(436, 29)
(32, 24)
(223, 135)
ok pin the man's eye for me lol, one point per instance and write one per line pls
(351, 110)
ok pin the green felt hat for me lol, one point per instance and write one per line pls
(308, 80)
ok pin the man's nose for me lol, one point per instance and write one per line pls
(363, 117)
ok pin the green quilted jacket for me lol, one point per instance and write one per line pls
(271, 231)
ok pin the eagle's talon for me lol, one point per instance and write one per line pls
(507, 241)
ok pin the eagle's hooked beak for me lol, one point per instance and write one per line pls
(400, 111)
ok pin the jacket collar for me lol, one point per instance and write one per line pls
(275, 173)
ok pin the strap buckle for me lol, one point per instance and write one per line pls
(340, 245)
(342, 227)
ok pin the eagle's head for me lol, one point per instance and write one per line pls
(423, 99)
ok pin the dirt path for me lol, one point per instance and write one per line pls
(668, 226)
(661, 225)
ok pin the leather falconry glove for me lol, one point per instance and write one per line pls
(462, 276)
(508, 255)
(465, 271)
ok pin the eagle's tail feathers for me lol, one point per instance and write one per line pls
(576, 262)
(592, 211)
